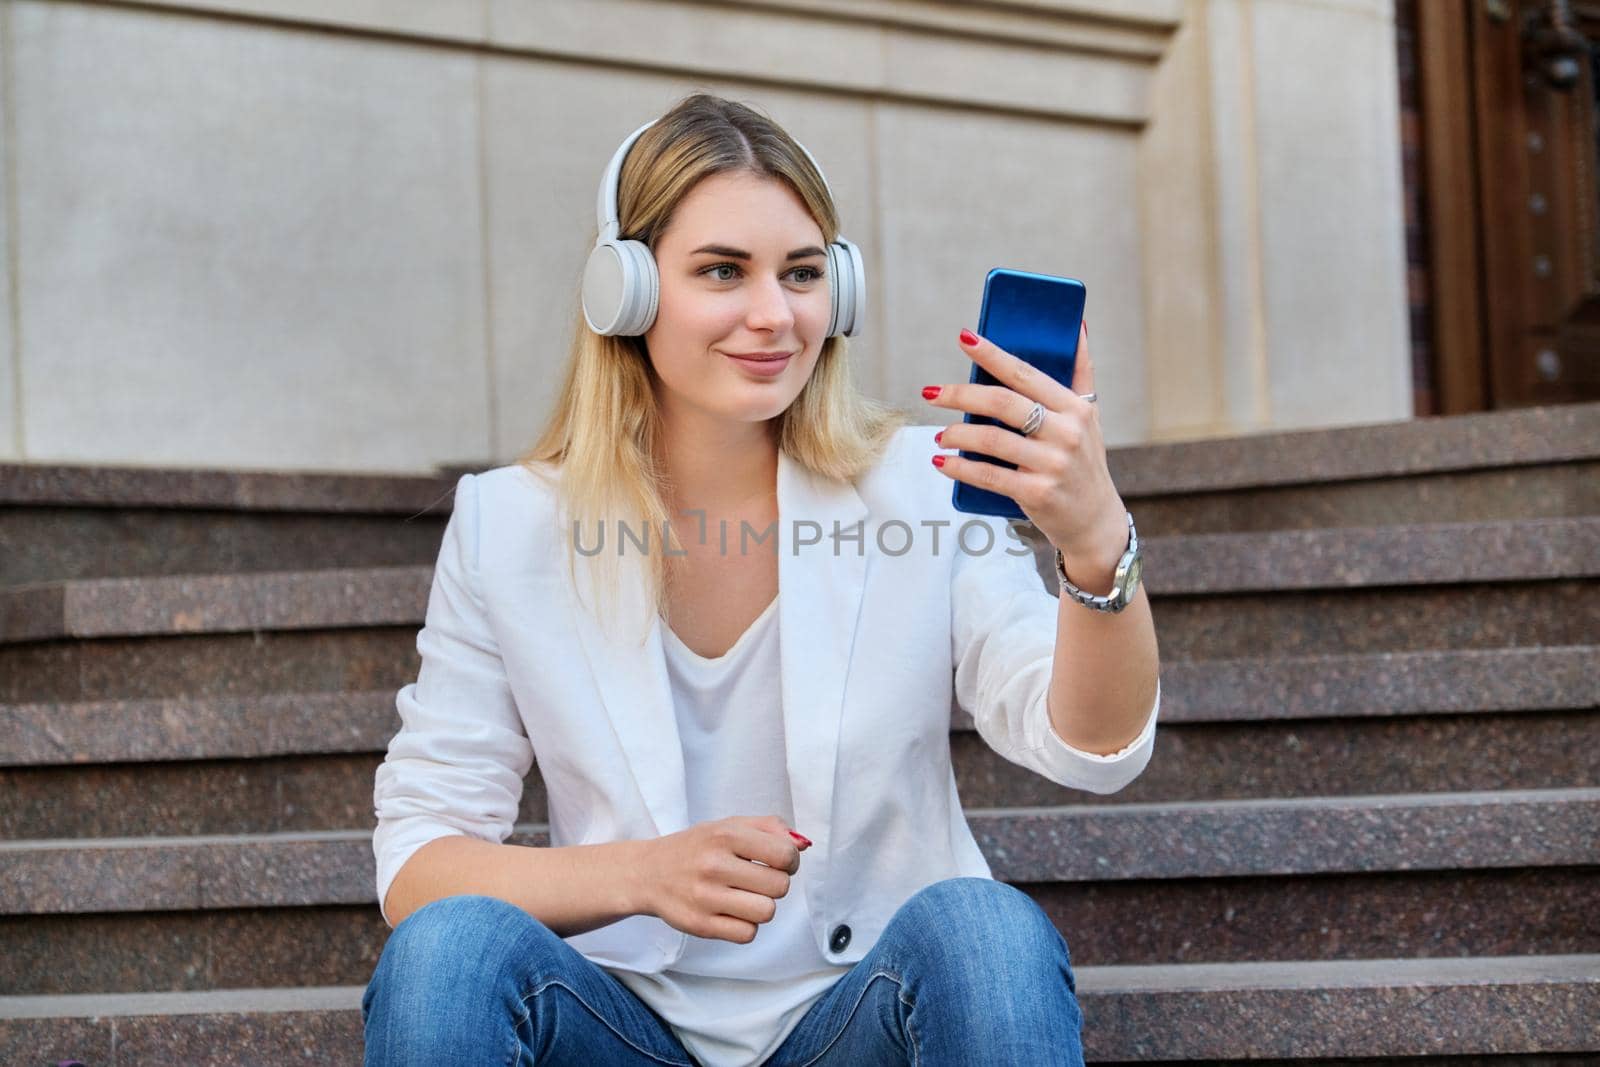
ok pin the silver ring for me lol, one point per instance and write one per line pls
(1034, 420)
(1089, 397)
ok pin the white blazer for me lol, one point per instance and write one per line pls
(873, 630)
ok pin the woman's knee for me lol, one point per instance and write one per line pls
(983, 919)
(467, 937)
(983, 959)
(457, 923)
(474, 953)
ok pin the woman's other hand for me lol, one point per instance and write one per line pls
(722, 879)
(1062, 482)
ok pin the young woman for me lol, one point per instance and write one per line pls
(725, 603)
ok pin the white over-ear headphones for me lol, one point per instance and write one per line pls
(622, 287)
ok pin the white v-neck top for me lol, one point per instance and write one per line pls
(732, 1004)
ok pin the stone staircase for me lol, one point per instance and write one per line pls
(1370, 830)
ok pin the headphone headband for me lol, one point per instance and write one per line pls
(605, 208)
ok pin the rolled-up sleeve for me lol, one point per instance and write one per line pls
(1003, 631)
(457, 764)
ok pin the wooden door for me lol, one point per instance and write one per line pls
(1510, 148)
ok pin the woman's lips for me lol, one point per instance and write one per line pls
(767, 368)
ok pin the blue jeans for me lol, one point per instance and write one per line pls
(968, 971)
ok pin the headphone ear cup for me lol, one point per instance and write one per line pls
(836, 282)
(621, 289)
(849, 289)
(646, 292)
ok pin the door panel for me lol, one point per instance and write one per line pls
(1508, 98)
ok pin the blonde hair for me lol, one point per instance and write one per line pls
(603, 435)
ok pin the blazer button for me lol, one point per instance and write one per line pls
(841, 938)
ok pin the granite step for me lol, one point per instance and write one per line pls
(1510, 582)
(48, 541)
(257, 662)
(174, 606)
(1508, 1007)
(65, 522)
(1532, 436)
(1353, 621)
(1494, 465)
(58, 544)
(1362, 686)
(69, 521)
(1202, 839)
(1424, 914)
(215, 662)
(1279, 562)
(1283, 561)
(1359, 1008)
(1438, 874)
(1553, 490)
(1197, 762)
(217, 665)
(96, 732)
(1428, 722)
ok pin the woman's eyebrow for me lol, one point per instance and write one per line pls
(724, 250)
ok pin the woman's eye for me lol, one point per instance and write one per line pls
(812, 273)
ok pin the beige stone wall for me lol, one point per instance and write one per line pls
(1273, 220)
(346, 234)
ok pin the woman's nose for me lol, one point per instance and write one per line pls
(769, 306)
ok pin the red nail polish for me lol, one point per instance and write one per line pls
(800, 839)
(968, 338)
(938, 461)
(929, 392)
(938, 438)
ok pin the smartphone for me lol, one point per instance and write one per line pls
(1035, 317)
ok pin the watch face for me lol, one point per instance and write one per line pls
(1135, 569)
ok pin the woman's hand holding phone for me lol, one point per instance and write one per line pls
(1062, 482)
(709, 880)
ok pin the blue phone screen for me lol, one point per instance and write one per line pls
(1035, 317)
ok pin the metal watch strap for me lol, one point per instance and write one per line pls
(1111, 602)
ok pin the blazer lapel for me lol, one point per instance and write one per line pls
(820, 586)
(819, 608)
(631, 675)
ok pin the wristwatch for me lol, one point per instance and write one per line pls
(1125, 581)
